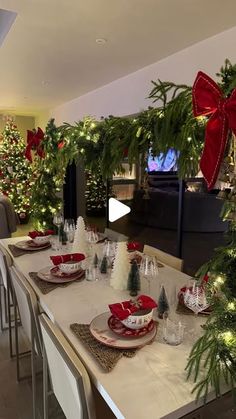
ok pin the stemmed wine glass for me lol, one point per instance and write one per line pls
(109, 250)
(149, 269)
(57, 221)
(195, 298)
(69, 229)
(92, 238)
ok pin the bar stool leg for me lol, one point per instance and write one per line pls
(45, 385)
(33, 372)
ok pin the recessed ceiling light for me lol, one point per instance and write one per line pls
(101, 41)
(45, 82)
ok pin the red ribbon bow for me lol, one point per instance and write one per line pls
(124, 309)
(208, 99)
(34, 139)
(72, 257)
(33, 234)
(133, 246)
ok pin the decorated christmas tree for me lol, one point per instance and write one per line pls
(95, 193)
(134, 279)
(15, 171)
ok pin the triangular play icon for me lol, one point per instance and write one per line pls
(116, 209)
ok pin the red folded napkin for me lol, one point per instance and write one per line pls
(133, 246)
(124, 309)
(73, 257)
(33, 234)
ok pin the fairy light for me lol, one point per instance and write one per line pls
(231, 306)
(219, 280)
(227, 337)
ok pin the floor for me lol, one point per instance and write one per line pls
(15, 398)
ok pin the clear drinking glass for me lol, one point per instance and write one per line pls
(173, 332)
(109, 250)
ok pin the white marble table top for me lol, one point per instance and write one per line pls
(152, 384)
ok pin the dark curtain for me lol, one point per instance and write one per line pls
(69, 193)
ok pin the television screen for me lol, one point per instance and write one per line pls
(164, 162)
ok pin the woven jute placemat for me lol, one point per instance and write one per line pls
(106, 356)
(46, 287)
(182, 309)
(20, 252)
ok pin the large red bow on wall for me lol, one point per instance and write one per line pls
(208, 99)
(34, 139)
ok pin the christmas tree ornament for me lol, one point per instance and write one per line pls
(121, 267)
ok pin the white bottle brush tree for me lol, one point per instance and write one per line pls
(80, 244)
(121, 267)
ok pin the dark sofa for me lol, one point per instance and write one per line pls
(201, 210)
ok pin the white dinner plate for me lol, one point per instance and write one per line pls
(46, 275)
(24, 245)
(100, 330)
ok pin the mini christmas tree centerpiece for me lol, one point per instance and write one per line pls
(134, 279)
(163, 305)
(80, 244)
(95, 260)
(121, 267)
(103, 267)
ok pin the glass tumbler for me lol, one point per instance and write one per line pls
(173, 332)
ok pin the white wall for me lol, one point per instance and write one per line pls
(127, 94)
(41, 119)
(23, 123)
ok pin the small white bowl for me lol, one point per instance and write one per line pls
(70, 267)
(139, 319)
(41, 240)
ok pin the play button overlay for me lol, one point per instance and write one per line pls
(117, 209)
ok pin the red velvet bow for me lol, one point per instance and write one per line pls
(131, 246)
(33, 234)
(208, 99)
(124, 309)
(34, 139)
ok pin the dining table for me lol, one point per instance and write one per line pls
(152, 384)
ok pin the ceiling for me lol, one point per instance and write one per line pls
(50, 55)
